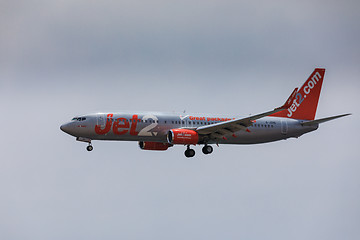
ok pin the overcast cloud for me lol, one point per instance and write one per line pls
(63, 58)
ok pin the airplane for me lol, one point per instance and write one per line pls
(159, 131)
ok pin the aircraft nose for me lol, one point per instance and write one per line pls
(65, 127)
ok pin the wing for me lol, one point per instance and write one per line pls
(219, 130)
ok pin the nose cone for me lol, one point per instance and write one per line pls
(66, 127)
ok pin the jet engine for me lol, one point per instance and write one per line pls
(154, 146)
(183, 136)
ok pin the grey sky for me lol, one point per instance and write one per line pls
(63, 58)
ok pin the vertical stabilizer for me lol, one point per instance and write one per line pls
(306, 99)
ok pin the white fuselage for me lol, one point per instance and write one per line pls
(153, 127)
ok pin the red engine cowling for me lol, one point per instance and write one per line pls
(183, 136)
(154, 146)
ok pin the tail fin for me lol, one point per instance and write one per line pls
(306, 99)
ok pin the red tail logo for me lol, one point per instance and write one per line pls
(306, 99)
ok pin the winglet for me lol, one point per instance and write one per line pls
(289, 101)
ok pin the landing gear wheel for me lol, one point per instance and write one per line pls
(189, 153)
(207, 149)
(89, 148)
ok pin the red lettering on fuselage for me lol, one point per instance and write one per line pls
(120, 123)
(133, 125)
(107, 128)
(210, 119)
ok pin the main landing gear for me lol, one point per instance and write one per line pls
(207, 149)
(189, 152)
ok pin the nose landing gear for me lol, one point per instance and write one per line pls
(90, 147)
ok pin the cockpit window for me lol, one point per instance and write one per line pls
(78, 119)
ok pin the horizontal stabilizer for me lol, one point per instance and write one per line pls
(315, 122)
